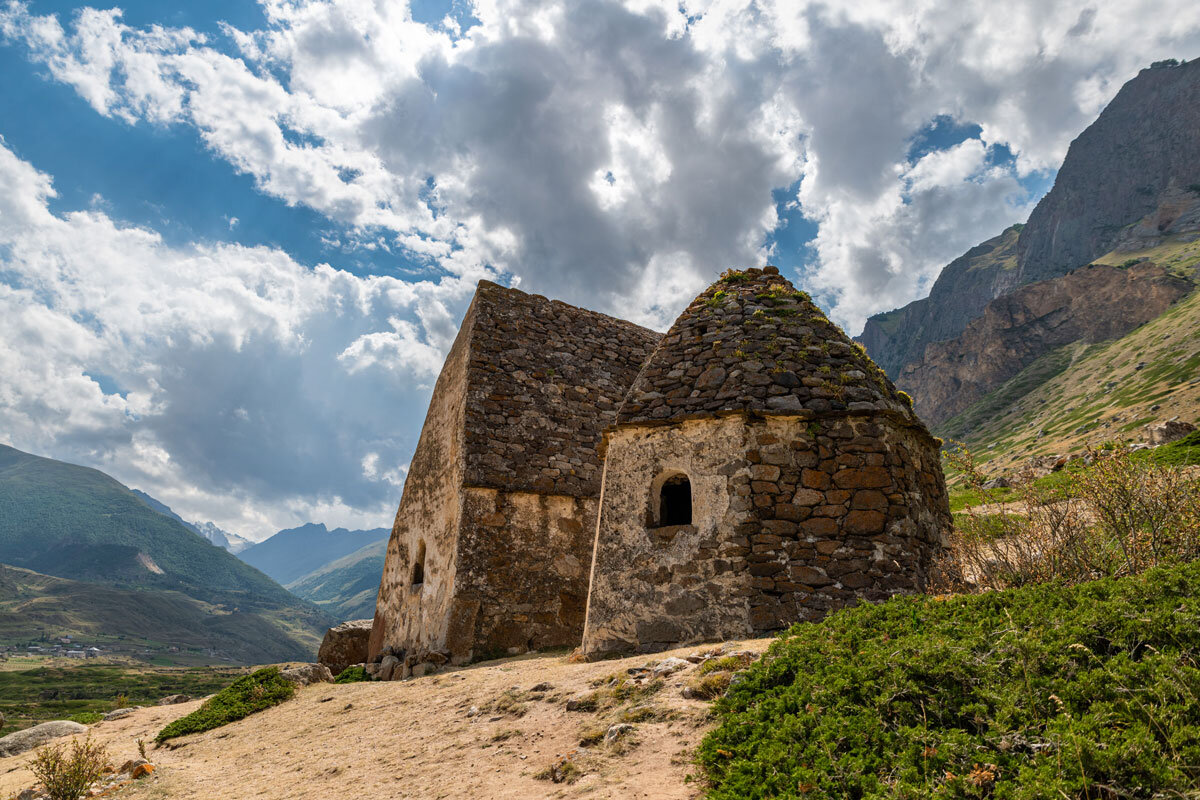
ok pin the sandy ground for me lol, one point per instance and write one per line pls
(418, 739)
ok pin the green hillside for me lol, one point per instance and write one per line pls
(346, 588)
(72, 522)
(1081, 394)
(128, 621)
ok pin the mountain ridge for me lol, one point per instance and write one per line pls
(76, 523)
(1141, 151)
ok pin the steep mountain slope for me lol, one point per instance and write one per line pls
(960, 293)
(72, 522)
(129, 620)
(1093, 304)
(1141, 156)
(230, 541)
(1143, 145)
(1086, 394)
(346, 588)
(293, 553)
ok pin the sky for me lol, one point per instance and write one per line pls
(237, 238)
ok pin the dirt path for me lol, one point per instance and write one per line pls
(421, 739)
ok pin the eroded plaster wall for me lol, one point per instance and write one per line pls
(793, 516)
(411, 617)
(653, 586)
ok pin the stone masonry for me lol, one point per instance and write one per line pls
(813, 485)
(493, 538)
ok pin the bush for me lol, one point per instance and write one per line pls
(66, 774)
(249, 694)
(86, 717)
(352, 675)
(1120, 516)
(1045, 691)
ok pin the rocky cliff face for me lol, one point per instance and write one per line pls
(1145, 144)
(959, 295)
(1092, 304)
(1141, 156)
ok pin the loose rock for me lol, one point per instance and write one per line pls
(307, 674)
(345, 645)
(28, 739)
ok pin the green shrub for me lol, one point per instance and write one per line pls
(1180, 453)
(66, 774)
(251, 693)
(352, 675)
(1044, 691)
(86, 717)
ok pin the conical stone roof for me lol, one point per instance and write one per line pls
(752, 342)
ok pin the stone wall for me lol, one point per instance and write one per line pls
(546, 378)
(503, 486)
(523, 568)
(793, 516)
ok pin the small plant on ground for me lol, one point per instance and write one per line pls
(730, 663)
(356, 674)
(87, 717)
(247, 695)
(510, 703)
(66, 772)
(121, 701)
(712, 685)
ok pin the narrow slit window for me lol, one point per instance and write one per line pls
(675, 501)
(418, 572)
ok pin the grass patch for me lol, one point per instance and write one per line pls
(1184, 452)
(1042, 691)
(32, 696)
(712, 685)
(352, 675)
(87, 717)
(247, 695)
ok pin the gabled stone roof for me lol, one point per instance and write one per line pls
(751, 342)
(543, 380)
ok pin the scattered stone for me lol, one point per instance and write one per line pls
(615, 732)
(997, 483)
(345, 645)
(542, 687)
(174, 699)
(120, 712)
(669, 666)
(307, 674)
(389, 668)
(473, 711)
(28, 739)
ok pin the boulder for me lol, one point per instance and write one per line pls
(345, 645)
(174, 700)
(306, 674)
(1170, 431)
(28, 739)
(390, 668)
